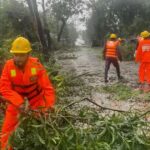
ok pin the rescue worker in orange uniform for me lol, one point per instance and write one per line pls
(23, 77)
(143, 57)
(111, 55)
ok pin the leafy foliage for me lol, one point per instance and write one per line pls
(127, 51)
(15, 20)
(4, 52)
(85, 130)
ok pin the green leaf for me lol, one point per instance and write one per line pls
(40, 139)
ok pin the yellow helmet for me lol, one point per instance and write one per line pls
(145, 34)
(21, 45)
(141, 34)
(113, 36)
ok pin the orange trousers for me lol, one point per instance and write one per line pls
(144, 72)
(11, 122)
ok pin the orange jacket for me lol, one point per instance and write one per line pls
(143, 51)
(33, 83)
(111, 49)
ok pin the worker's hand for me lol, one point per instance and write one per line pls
(25, 106)
(135, 54)
(52, 109)
(21, 108)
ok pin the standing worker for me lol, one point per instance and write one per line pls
(143, 57)
(111, 54)
(23, 77)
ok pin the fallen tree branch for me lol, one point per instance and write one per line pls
(145, 113)
(105, 108)
(100, 106)
(69, 105)
(73, 103)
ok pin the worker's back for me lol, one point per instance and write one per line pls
(111, 48)
(143, 51)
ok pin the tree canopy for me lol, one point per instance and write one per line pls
(125, 18)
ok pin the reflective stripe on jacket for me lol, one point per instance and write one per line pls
(111, 49)
(143, 51)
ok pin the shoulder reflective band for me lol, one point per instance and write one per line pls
(13, 73)
(33, 71)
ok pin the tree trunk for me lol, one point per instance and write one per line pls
(33, 18)
(46, 29)
(34, 11)
(61, 30)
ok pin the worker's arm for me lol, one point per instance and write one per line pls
(138, 53)
(119, 53)
(137, 44)
(6, 88)
(48, 90)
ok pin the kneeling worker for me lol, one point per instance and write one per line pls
(23, 77)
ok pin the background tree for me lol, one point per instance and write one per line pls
(62, 10)
(45, 22)
(14, 20)
(69, 35)
(38, 24)
(125, 18)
